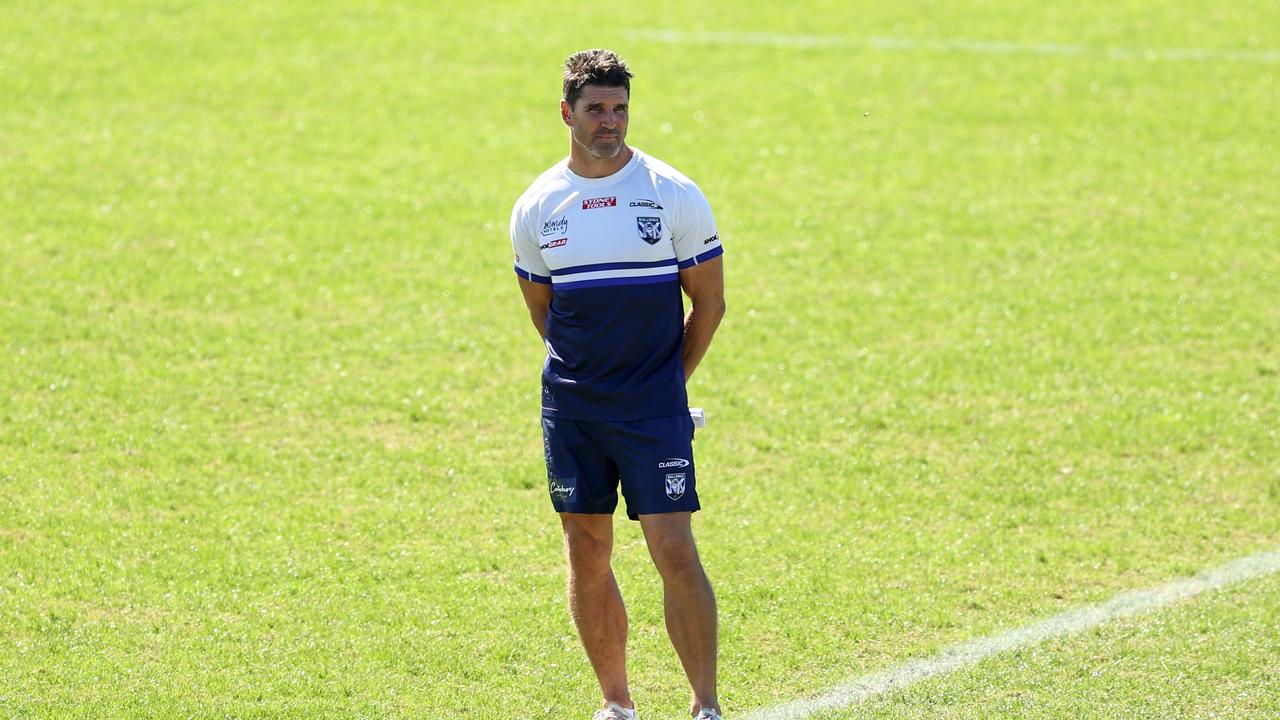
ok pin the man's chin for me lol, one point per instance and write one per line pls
(606, 151)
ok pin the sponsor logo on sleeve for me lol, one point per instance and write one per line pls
(600, 202)
(675, 485)
(642, 202)
(650, 229)
(555, 227)
(713, 238)
(554, 244)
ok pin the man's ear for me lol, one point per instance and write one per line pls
(565, 112)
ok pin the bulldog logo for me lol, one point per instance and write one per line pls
(675, 485)
(650, 229)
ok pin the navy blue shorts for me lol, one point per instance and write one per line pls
(652, 458)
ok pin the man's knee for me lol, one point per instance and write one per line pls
(588, 542)
(675, 556)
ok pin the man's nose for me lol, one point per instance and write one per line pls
(610, 119)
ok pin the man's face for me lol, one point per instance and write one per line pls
(598, 120)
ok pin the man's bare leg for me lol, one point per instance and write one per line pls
(688, 600)
(596, 603)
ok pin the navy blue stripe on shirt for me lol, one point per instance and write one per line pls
(604, 282)
(531, 277)
(613, 266)
(708, 255)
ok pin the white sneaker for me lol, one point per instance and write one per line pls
(616, 712)
(708, 714)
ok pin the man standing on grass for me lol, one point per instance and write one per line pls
(604, 243)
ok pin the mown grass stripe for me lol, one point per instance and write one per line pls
(1125, 605)
(994, 47)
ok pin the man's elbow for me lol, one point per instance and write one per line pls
(714, 307)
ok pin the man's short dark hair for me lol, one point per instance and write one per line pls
(594, 67)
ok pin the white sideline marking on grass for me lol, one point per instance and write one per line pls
(1128, 604)
(768, 39)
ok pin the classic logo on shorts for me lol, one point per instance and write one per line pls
(675, 485)
(650, 229)
(555, 227)
(593, 203)
(673, 463)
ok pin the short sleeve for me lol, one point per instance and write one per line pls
(694, 231)
(529, 263)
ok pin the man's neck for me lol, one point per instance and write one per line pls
(584, 164)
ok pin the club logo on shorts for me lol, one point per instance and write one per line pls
(675, 485)
(561, 488)
(650, 229)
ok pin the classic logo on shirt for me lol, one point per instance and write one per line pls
(650, 229)
(646, 203)
(555, 227)
(593, 203)
(554, 244)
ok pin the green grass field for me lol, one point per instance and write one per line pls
(1002, 341)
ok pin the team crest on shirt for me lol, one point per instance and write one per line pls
(675, 485)
(650, 229)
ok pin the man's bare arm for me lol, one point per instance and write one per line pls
(704, 284)
(538, 297)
